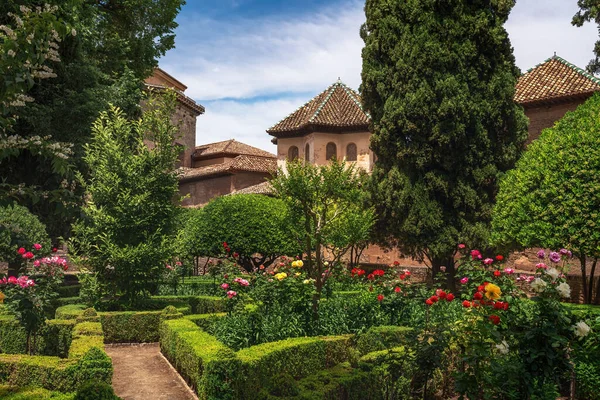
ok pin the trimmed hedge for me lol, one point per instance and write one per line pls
(15, 393)
(69, 290)
(204, 321)
(197, 304)
(296, 357)
(381, 338)
(69, 311)
(86, 361)
(53, 340)
(207, 364)
(132, 326)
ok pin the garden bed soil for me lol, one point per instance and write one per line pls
(142, 373)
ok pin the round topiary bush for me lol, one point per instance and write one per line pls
(96, 390)
(20, 228)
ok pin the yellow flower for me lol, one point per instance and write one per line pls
(297, 274)
(294, 264)
(492, 292)
(299, 263)
(280, 276)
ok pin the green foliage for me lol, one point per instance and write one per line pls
(211, 368)
(257, 228)
(445, 125)
(20, 228)
(126, 233)
(95, 390)
(381, 338)
(15, 393)
(549, 199)
(115, 47)
(69, 311)
(54, 338)
(588, 11)
(326, 204)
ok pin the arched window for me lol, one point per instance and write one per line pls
(307, 153)
(351, 152)
(330, 151)
(293, 153)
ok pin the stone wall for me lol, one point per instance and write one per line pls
(185, 119)
(202, 191)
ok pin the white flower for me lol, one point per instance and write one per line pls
(564, 290)
(538, 285)
(553, 272)
(581, 329)
(503, 347)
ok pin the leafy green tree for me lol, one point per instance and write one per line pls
(128, 228)
(256, 228)
(438, 80)
(551, 199)
(116, 45)
(323, 201)
(589, 10)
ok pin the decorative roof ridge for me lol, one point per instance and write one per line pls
(331, 90)
(296, 110)
(574, 67)
(353, 93)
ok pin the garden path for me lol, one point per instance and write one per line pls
(142, 373)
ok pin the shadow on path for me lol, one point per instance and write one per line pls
(142, 373)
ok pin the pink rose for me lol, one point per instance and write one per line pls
(231, 294)
(464, 280)
(29, 255)
(488, 261)
(36, 263)
(37, 246)
(461, 246)
(12, 279)
(225, 286)
(21, 250)
(541, 266)
(509, 271)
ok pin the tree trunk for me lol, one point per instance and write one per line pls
(582, 259)
(591, 282)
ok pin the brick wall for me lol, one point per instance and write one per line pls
(545, 116)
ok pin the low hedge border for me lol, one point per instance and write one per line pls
(53, 340)
(210, 367)
(204, 321)
(86, 361)
(381, 338)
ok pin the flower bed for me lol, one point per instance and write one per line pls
(216, 371)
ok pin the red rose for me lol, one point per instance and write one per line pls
(497, 273)
(379, 272)
(225, 244)
(370, 277)
(397, 289)
(21, 250)
(466, 304)
(396, 263)
(402, 277)
(499, 257)
(429, 302)
(28, 255)
(361, 272)
(440, 293)
(235, 255)
(495, 319)
(379, 297)
(450, 297)
(435, 299)
(499, 305)
(505, 306)
(480, 288)
(478, 296)
(54, 249)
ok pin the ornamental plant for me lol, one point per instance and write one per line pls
(324, 201)
(549, 199)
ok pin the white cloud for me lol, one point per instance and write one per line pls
(230, 65)
(248, 58)
(244, 122)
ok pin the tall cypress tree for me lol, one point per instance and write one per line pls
(438, 80)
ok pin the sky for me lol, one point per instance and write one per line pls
(251, 63)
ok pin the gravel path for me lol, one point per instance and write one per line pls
(142, 373)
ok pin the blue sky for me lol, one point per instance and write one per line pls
(252, 62)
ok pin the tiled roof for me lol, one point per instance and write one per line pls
(241, 163)
(338, 108)
(229, 147)
(554, 79)
(261, 188)
(182, 98)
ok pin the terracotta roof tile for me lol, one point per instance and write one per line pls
(182, 98)
(552, 80)
(261, 188)
(241, 163)
(231, 147)
(337, 108)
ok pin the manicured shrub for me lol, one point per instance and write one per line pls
(54, 338)
(16, 393)
(382, 337)
(205, 321)
(95, 390)
(70, 311)
(208, 365)
(69, 290)
(131, 326)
